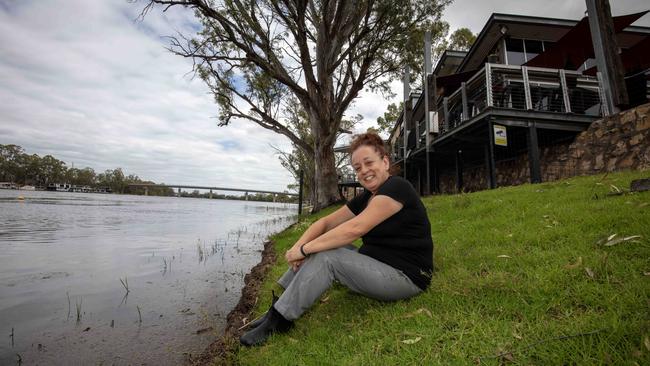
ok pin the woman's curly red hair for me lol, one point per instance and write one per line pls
(369, 139)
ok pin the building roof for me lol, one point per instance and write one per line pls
(575, 46)
(530, 27)
(448, 62)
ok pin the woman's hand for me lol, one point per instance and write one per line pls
(296, 265)
(293, 255)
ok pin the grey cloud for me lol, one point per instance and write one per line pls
(83, 82)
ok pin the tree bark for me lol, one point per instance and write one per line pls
(326, 189)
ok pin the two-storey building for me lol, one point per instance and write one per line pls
(526, 85)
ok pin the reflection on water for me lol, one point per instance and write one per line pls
(64, 256)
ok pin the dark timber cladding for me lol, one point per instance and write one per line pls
(535, 81)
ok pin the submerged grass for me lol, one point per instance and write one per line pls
(523, 277)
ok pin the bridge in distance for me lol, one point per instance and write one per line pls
(181, 186)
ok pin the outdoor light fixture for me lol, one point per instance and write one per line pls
(503, 30)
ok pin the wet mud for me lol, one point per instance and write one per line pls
(222, 350)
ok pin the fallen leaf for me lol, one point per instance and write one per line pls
(646, 273)
(646, 342)
(514, 334)
(610, 243)
(589, 272)
(426, 311)
(503, 256)
(412, 341)
(577, 264)
(510, 235)
(325, 299)
(419, 311)
(87, 329)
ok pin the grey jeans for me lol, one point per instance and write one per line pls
(360, 273)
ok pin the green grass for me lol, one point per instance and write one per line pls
(518, 270)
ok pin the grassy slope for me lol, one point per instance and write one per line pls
(556, 281)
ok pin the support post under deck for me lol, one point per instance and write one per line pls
(533, 154)
(436, 177)
(489, 158)
(459, 170)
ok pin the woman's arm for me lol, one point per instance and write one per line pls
(320, 227)
(325, 224)
(379, 209)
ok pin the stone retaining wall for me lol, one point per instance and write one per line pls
(619, 142)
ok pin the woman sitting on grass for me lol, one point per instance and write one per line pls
(395, 261)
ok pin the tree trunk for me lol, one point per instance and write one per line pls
(326, 189)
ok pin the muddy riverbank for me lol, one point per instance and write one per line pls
(221, 350)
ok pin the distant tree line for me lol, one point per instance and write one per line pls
(263, 197)
(16, 166)
(21, 168)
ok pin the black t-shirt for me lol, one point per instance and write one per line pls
(403, 240)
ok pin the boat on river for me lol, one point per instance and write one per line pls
(8, 185)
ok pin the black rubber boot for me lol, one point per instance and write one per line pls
(274, 323)
(255, 323)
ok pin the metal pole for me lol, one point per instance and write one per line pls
(445, 106)
(427, 114)
(488, 85)
(529, 101)
(300, 182)
(463, 92)
(407, 91)
(565, 92)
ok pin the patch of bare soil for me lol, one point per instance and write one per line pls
(222, 350)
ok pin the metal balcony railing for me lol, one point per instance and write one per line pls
(398, 149)
(522, 88)
(348, 178)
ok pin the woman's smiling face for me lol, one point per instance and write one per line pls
(371, 168)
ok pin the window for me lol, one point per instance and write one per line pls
(520, 51)
(533, 48)
(515, 51)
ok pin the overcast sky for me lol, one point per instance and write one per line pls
(84, 82)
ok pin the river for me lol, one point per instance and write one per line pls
(67, 259)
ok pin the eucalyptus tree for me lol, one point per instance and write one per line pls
(254, 53)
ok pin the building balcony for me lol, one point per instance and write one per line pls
(550, 91)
